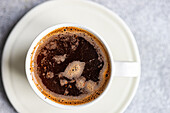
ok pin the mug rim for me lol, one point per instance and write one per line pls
(28, 60)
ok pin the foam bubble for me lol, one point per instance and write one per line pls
(59, 58)
(50, 75)
(66, 92)
(80, 82)
(63, 82)
(51, 45)
(90, 86)
(74, 69)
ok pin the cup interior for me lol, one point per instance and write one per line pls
(28, 60)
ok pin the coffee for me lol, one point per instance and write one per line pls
(70, 66)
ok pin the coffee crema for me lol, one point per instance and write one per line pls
(70, 66)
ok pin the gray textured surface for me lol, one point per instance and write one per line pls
(149, 21)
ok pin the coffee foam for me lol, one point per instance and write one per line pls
(59, 58)
(93, 89)
(73, 70)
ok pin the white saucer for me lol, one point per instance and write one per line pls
(94, 16)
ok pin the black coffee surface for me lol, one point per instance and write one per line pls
(58, 53)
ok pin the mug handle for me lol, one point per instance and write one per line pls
(127, 69)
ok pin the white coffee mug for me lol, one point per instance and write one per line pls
(122, 69)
